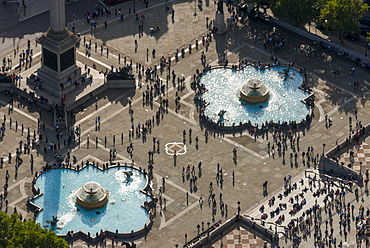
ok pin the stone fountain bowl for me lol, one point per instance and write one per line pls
(254, 91)
(91, 196)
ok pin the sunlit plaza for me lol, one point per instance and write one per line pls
(167, 132)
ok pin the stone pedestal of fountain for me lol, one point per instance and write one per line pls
(254, 91)
(91, 196)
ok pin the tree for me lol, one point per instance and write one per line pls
(342, 16)
(297, 11)
(15, 233)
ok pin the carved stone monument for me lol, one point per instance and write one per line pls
(122, 78)
(220, 18)
(58, 65)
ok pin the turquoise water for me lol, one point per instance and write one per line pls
(284, 102)
(123, 210)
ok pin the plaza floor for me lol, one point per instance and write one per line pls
(335, 97)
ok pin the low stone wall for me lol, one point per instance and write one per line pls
(329, 162)
(121, 84)
(7, 86)
(213, 234)
(329, 165)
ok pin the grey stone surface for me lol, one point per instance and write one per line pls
(335, 97)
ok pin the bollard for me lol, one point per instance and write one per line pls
(169, 64)
(96, 143)
(105, 141)
(119, 58)
(177, 56)
(203, 40)
(121, 138)
(88, 142)
(114, 140)
(196, 44)
(189, 48)
(183, 52)
(96, 46)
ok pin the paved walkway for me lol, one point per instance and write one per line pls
(335, 97)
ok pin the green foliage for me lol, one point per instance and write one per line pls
(296, 11)
(15, 233)
(342, 16)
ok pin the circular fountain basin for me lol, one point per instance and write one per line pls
(122, 211)
(284, 102)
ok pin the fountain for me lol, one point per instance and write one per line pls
(254, 91)
(91, 196)
(255, 96)
(65, 205)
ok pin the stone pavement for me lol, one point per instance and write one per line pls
(8, 15)
(239, 239)
(361, 154)
(335, 97)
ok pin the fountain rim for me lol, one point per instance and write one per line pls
(248, 125)
(80, 233)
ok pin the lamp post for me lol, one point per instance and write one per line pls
(74, 27)
(323, 154)
(360, 167)
(323, 149)
(195, 7)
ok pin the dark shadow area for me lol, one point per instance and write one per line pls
(147, 23)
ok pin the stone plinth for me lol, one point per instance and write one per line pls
(220, 23)
(58, 53)
(121, 84)
(121, 79)
(58, 61)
